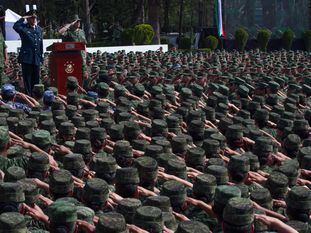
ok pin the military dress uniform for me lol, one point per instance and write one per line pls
(30, 55)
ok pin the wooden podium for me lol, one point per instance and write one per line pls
(65, 60)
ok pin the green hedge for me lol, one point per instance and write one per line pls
(143, 34)
(307, 40)
(287, 39)
(263, 38)
(211, 42)
(241, 38)
(164, 40)
(127, 36)
(185, 43)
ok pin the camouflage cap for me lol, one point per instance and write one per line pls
(192, 227)
(176, 191)
(123, 148)
(179, 144)
(159, 127)
(85, 214)
(41, 138)
(166, 145)
(82, 146)
(195, 157)
(73, 162)
(4, 135)
(16, 112)
(262, 196)
(131, 130)
(63, 212)
(31, 191)
(239, 164)
(153, 151)
(220, 172)
(127, 207)
(239, 211)
(111, 223)
(204, 187)
(13, 222)
(45, 116)
(162, 202)
(177, 168)
(291, 171)
(72, 82)
(95, 191)
(149, 218)
(38, 162)
(103, 165)
(14, 174)
(224, 193)
(25, 127)
(98, 133)
(299, 226)
(83, 133)
(292, 142)
(211, 147)
(234, 132)
(11, 192)
(147, 168)
(127, 175)
(38, 88)
(16, 152)
(48, 125)
(299, 198)
(116, 132)
(277, 183)
(61, 182)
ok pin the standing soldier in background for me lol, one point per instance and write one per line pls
(31, 52)
(3, 51)
(73, 33)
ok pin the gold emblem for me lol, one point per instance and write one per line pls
(69, 67)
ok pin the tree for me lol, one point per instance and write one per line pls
(154, 18)
(88, 8)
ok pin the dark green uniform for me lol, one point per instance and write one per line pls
(2, 56)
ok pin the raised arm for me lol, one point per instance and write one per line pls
(19, 25)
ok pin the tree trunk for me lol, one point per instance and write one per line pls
(154, 18)
(166, 27)
(87, 21)
(181, 9)
(139, 12)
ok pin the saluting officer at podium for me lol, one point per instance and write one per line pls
(31, 52)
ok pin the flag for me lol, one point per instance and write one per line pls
(218, 14)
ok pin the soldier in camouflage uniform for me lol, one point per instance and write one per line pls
(3, 50)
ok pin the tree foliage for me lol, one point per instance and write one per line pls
(143, 34)
(307, 40)
(211, 42)
(263, 38)
(241, 38)
(288, 38)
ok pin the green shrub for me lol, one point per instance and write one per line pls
(185, 43)
(164, 40)
(143, 34)
(287, 39)
(211, 42)
(241, 38)
(205, 50)
(263, 38)
(307, 40)
(127, 36)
